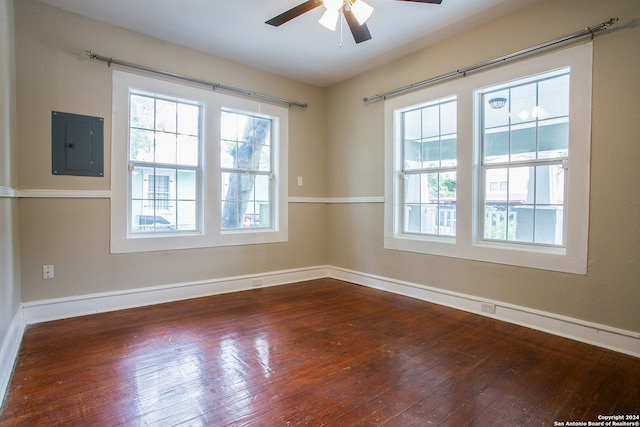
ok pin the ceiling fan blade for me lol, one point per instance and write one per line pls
(294, 12)
(425, 1)
(360, 32)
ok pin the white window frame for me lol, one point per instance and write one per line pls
(572, 258)
(209, 232)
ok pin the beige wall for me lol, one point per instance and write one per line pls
(9, 249)
(610, 292)
(338, 146)
(53, 73)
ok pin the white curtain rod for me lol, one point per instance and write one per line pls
(212, 85)
(463, 71)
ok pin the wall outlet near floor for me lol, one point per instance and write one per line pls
(488, 307)
(47, 271)
(256, 283)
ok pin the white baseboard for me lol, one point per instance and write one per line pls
(9, 352)
(623, 341)
(62, 308)
(620, 340)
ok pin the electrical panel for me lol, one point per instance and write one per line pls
(77, 144)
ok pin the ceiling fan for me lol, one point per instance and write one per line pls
(356, 13)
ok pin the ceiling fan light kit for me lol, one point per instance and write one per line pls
(356, 13)
(361, 10)
(330, 18)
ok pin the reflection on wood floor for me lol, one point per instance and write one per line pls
(323, 352)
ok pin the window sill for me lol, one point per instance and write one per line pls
(543, 258)
(164, 242)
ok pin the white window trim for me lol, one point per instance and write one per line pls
(210, 234)
(466, 244)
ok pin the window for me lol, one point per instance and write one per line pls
(164, 161)
(429, 168)
(524, 144)
(509, 161)
(246, 171)
(193, 168)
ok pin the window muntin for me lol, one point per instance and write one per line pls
(164, 152)
(246, 170)
(429, 168)
(524, 145)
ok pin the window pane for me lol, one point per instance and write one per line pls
(523, 102)
(494, 191)
(553, 96)
(496, 116)
(520, 185)
(447, 187)
(432, 186)
(238, 191)
(262, 185)
(246, 142)
(431, 153)
(412, 218)
(495, 221)
(523, 221)
(188, 119)
(412, 188)
(412, 124)
(430, 121)
(550, 185)
(229, 126)
(549, 223)
(264, 157)
(448, 118)
(137, 182)
(430, 203)
(141, 145)
(186, 216)
(166, 146)
(161, 188)
(449, 151)
(142, 112)
(412, 154)
(429, 219)
(553, 139)
(187, 150)
(495, 145)
(447, 219)
(166, 115)
(187, 185)
(157, 196)
(534, 199)
(523, 142)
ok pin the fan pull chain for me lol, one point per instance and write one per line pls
(341, 24)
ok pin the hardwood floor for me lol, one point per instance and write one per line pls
(322, 352)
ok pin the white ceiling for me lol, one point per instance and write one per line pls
(301, 49)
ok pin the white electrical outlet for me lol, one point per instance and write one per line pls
(47, 272)
(300, 181)
(488, 307)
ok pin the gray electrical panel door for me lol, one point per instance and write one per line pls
(77, 144)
